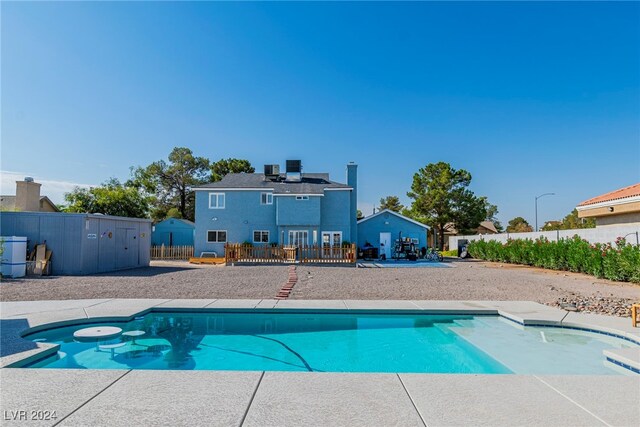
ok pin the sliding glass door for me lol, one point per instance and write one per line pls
(331, 242)
(299, 238)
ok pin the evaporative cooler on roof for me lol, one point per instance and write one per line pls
(272, 171)
(294, 170)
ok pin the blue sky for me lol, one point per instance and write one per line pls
(528, 97)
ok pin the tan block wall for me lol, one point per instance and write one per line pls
(621, 219)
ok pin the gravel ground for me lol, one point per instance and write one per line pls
(469, 280)
(466, 280)
(161, 280)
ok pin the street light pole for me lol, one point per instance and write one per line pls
(537, 197)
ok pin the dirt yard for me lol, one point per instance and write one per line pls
(464, 280)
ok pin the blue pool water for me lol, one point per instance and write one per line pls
(336, 343)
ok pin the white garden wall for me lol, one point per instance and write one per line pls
(607, 234)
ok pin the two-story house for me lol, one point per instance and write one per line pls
(293, 208)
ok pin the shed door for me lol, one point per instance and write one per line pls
(126, 248)
(121, 248)
(385, 244)
(133, 247)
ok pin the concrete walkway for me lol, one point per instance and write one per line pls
(139, 397)
(223, 398)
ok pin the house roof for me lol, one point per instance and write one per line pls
(186, 221)
(48, 200)
(450, 227)
(489, 226)
(396, 214)
(310, 183)
(622, 193)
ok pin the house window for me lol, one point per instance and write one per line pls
(299, 238)
(266, 198)
(302, 197)
(216, 200)
(260, 236)
(216, 236)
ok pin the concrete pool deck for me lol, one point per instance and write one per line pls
(133, 397)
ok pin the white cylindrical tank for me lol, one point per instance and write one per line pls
(14, 256)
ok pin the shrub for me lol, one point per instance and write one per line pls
(620, 261)
(453, 252)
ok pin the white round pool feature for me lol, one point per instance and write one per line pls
(97, 333)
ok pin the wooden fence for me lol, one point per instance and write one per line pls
(236, 252)
(320, 254)
(171, 252)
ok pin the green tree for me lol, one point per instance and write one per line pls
(440, 196)
(174, 213)
(518, 225)
(359, 214)
(410, 213)
(469, 213)
(570, 222)
(170, 183)
(226, 166)
(110, 198)
(492, 213)
(392, 203)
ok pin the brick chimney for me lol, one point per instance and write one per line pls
(28, 195)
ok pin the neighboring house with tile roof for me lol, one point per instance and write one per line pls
(27, 199)
(618, 207)
(293, 208)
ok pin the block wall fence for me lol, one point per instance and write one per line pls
(607, 234)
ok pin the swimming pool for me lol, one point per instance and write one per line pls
(335, 342)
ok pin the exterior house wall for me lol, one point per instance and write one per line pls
(328, 207)
(77, 241)
(47, 206)
(335, 217)
(172, 231)
(608, 209)
(297, 212)
(369, 230)
(242, 215)
(629, 218)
